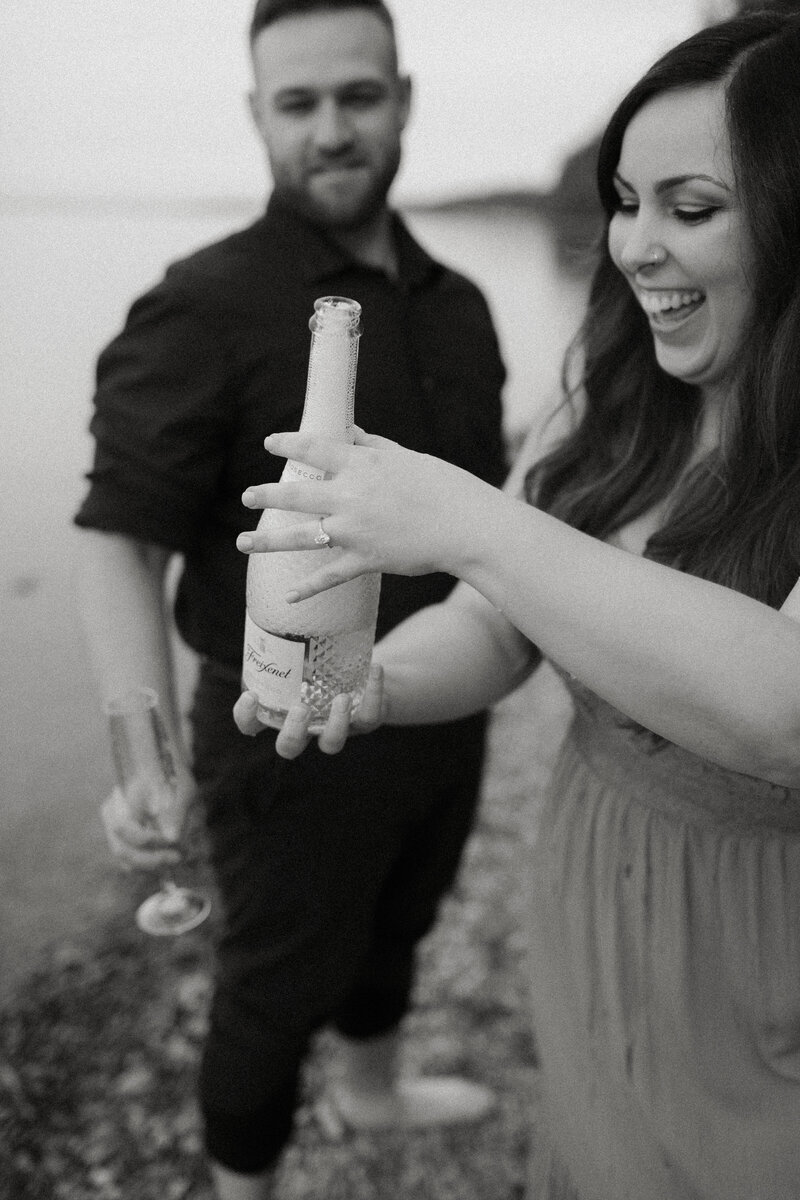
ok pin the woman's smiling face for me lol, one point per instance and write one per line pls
(679, 235)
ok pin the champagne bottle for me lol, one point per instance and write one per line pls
(315, 648)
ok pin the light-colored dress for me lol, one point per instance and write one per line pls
(665, 963)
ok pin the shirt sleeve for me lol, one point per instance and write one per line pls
(161, 423)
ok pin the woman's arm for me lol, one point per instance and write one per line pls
(445, 662)
(462, 656)
(451, 660)
(699, 664)
(704, 666)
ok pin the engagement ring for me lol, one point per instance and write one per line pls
(322, 538)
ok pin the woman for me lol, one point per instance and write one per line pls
(653, 558)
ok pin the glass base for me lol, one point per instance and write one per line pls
(171, 911)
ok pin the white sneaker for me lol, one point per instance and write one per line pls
(419, 1103)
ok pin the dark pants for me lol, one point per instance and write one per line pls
(330, 870)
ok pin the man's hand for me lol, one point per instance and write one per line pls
(136, 836)
(295, 733)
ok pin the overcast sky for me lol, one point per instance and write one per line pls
(146, 97)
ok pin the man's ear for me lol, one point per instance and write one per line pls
(254, 105)
(406, 96)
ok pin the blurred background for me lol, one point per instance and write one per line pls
(125, 142)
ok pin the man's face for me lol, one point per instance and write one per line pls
(330, 109)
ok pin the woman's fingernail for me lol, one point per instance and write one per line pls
(244, 542)
(249, 499)
(292, 597)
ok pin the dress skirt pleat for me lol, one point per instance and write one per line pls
(665, 974)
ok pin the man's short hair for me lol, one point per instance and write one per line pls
(267, 11)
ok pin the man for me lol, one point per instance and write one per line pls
(330, 869)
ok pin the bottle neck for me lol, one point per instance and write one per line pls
(330, 390)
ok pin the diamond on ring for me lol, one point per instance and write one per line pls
(322, 538)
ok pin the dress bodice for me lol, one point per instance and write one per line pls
(670, 777)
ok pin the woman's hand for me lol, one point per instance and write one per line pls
(384, 508)
(295, 734)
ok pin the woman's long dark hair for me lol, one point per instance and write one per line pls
(736, 516)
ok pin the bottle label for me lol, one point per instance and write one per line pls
(273, 666)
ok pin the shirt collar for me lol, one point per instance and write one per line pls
(317, 256)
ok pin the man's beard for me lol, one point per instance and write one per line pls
(341, 217)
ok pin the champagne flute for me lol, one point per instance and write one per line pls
(144, 761)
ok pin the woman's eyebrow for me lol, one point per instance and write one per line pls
(664, 185)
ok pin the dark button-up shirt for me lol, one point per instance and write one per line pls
(215, 357)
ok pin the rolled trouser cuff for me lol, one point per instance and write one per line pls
(250, 1142)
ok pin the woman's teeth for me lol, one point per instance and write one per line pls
(658, 304)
